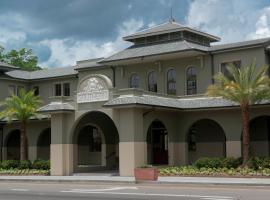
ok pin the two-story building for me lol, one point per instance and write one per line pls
(142, 105)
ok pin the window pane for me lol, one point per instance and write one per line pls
(224, 68)
(66, 89)
(11, 90)
(191, 81)
(152, 82)
(58, 90)
(134, 81)
(171, 82)
(36, 90)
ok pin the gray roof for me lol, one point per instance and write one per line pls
(222, 47)
(91, 63)
(167, 27)
(177, 103)
(7, 67)
(42, 74)
(57, 106)
(155, 49)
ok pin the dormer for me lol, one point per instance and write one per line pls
(171, 31)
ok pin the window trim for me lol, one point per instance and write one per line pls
(63, 89)
(167, 81)
(186, 86)
(130, 79)
(228, 61)
(54, 89)
(147, 78)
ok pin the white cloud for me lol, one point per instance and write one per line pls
(231, 20)
(67, 51)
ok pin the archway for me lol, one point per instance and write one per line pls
(260, 136)
(12, 145)
(96, 138)
(206, 138)
(43, 144)
(157, 143)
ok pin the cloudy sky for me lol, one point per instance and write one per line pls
(63, 31)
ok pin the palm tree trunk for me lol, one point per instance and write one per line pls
(23, 143)
(246, 140)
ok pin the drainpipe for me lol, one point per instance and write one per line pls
(1, 141)
(113, 69)
(267, 54)
(212, 68)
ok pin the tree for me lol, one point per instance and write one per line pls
(23, 58)
(247, 86)
(22, 108)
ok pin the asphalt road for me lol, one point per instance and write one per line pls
(53, 191)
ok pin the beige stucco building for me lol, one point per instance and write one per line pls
(142, 105)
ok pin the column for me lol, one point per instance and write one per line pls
(233, 149)
(132, 145)
(178, 153)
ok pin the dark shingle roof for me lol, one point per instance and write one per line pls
(155, 49)
(42, 74)
(167, 27)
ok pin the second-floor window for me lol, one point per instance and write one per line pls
(134, 80)
(152, 82)
(171, 81)
(191, 76)
(224, 68)
(66, 89)
(36, 90)
(12, 90)
(19, 88)
(57, 89)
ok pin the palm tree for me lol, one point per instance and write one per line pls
(247, 86)
(22, 108)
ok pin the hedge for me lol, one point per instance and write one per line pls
(25, 164)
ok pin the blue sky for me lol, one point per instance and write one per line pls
(63, 31)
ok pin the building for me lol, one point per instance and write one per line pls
(142, 105)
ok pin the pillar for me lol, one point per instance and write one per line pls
(233, 149)
(61, 152)
(132, 144)
(178, 153)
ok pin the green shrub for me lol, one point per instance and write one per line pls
(208, 163)
(25, 164)
(259, 162)
(231, 162)
(10, 164)
(41, 164)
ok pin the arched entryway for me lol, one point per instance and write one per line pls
(260, 136)
(206, 138)
(157, 143)
(96, 141)
(12, 145)
(43, 144)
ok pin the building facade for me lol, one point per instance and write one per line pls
(142, 105)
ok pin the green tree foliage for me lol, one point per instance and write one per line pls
(249, 85)
(23, 58)
(22, 108)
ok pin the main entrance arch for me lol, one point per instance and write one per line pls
(157, 143)
(206, 138)
(96, 141)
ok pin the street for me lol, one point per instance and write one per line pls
(76, 191)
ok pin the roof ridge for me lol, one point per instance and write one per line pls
(239, 42)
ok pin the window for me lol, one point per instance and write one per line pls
(191, 81)
(58, 89)
(12, 90)
(66, 89)
(171, 82)
(224, 68)
(19, 88)
(134, 80)
(152, 82)
(36, 90)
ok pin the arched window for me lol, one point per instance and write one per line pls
(134, 80)
(191, 81)
(171, 81)
(152, 81)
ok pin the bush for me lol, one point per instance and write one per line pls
(25, 164)
(10, 164)
(231, 162)
(208, 163)
(41, 164)
(259, 162)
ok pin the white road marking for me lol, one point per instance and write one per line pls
(214, 199)
(150, 194)
(20, 189)
(106, 189)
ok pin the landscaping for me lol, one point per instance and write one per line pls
(225, 167)
(25, 167)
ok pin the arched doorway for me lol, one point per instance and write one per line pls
(206, 138)
(157, 143)
(260, 136)
(96, 138)
(43, 144)
(12, 145)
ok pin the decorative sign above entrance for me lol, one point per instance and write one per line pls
(92, 89)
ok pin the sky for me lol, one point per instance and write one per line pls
(61, 32)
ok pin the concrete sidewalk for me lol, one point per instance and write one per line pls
(161, 180)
